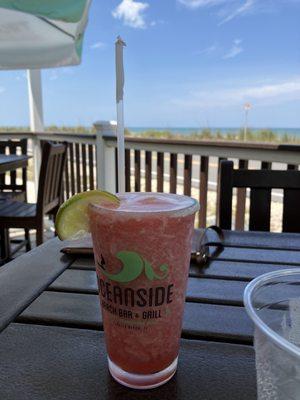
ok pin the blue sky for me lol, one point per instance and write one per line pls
(188, 63)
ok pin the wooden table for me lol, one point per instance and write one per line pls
(54, 348)
(12, 162)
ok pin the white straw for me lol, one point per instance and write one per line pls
(120, 114)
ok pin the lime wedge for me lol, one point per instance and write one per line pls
(72, 220)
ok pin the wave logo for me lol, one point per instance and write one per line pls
(133, 266)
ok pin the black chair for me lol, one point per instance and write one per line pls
(16, 214)
(13, 189)
(10, 188)
(260, 182)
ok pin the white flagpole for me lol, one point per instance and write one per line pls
(120, 113)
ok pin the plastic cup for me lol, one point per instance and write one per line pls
(273, 303)
(142, 254)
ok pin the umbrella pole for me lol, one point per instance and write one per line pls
(121, 147)
(120, 113)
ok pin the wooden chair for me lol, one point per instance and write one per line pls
(260, 182)
(13, 190)
(15, 214)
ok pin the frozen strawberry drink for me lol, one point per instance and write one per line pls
(142, 252)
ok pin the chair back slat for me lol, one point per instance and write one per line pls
(241, 194)
(53, 181)
(260, 210)
(47, 183)
(204, 169)
(14, 147)
(266, 179)
(291, 210)
(51, 177)
(261, 182)
(225, 194)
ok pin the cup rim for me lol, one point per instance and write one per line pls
(191, 208)
(257, 283)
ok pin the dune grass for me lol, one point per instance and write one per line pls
(261, 135)
(257, 135)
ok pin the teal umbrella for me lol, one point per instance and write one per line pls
(41, 33)
(37, 34)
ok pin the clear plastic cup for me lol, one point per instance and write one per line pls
(273, 303)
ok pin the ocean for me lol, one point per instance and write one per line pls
(187, 131)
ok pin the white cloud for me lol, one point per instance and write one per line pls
(200, 3)
(53, 76)
(229, 9)
(157, 22)
(21, 76)
(275, 90)
(239, 11)
(207, 50)
(235, 49)
(131, 13)
(67, 70)
(260, 94)
(97, 45)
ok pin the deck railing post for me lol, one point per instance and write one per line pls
(36, 119)
(105, 156)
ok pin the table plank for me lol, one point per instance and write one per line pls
(234, 270)
(221, 269)
(49, 363)
(23, 279)
(215, 291)
(262, 239)
(199, 290)
(210, 321)
(256, 255)
(78, 281)
(86, 263)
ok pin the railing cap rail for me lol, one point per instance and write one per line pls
(68, 134)
(16, 133)
(181, 142)
(212, 143)
(47, 134)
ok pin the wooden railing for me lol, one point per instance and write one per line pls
(164, 165)
(192, 168)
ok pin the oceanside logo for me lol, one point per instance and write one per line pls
(133, 267)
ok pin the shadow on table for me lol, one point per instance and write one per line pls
(50, 362)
